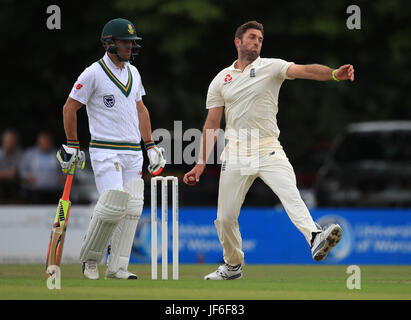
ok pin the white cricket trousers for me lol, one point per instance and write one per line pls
(235, 180)
(113, 171)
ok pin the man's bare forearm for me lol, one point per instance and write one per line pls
(318, 72)
(70, 118)
(210, 134)
(70, 123)
(208, 140)
(145, 124)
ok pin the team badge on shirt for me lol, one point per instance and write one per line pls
(109, 101)
(252, 73)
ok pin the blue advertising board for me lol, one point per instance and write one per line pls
(370, 236)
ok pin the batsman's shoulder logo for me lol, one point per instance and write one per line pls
(109, 101)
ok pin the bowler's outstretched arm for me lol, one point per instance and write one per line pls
(320, 72)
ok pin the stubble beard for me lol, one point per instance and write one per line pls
(123, 57)
(248, 54)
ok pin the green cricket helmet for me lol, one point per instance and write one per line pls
(119, 29)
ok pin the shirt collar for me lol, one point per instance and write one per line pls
(111, 64)
(252, 64)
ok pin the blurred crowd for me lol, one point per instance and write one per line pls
(32, 175)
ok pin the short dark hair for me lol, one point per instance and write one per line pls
(10, 131)
(248, 25)
(47, 133)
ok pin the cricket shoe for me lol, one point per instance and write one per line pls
(120, 274)
(90, 270)
(324, 241)
(226, 272)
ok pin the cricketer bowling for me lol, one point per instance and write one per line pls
(247, 93)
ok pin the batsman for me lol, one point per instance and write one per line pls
(119, 122)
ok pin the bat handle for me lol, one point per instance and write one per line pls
(67, 186)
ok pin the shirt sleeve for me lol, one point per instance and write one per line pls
(140, 88)
(84, 86)
(214, 97)
(280, 68)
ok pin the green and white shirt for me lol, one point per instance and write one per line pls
(110, 95)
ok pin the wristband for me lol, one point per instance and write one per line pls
(149, 144)
(334, 77)
(75, 144)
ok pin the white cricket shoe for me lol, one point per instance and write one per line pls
(120, 274)
(324, 241)
(226, 272)
(90, 270)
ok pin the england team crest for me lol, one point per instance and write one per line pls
(109, 101)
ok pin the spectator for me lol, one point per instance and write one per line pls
(40, 172)
(10, 155)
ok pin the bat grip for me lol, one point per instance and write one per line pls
(67, 186)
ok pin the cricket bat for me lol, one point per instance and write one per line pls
(58, 233)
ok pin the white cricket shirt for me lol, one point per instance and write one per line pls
(110, 95)
(250, 98)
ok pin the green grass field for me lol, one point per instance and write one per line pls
(260, 282)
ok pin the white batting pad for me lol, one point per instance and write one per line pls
(123, 236)
(109, 210)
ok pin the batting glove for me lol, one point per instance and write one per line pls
(156, 157)
(69, 155)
